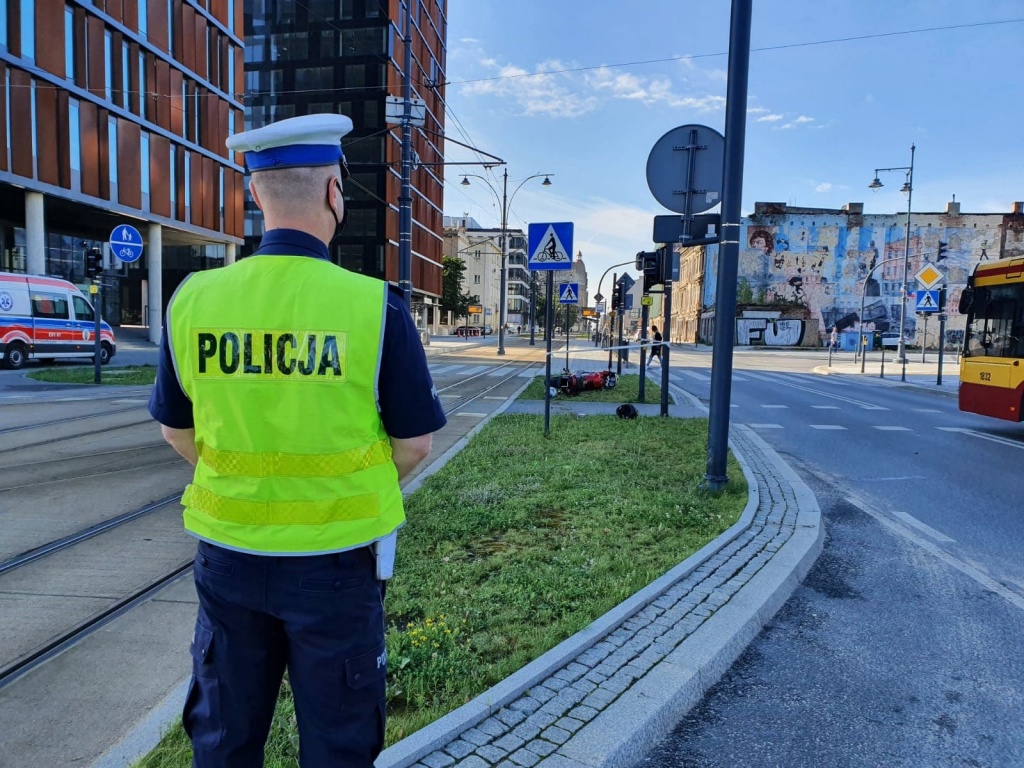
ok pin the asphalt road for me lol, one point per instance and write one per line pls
(905, 645)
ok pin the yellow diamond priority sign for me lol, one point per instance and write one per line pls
(929, 276)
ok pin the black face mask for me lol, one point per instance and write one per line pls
(339, 224)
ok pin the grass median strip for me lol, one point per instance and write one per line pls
(132, 375)
(518, 543)
(626, 390)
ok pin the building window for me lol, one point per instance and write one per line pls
(34, 127)
(188, 180)
(231, 15)
(142, 84)
(3, 27)
(112, 151)
(126, 74)
(170, 28)
(231, 72)
(144, 18)
(174, 181)
(476, 279)
(74, 136)
(28, 30)
(221, 198)
(69, 43)
(144, 164)
(184, 109)
(108, 64)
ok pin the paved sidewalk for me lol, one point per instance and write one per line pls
(918, 374)
(605, 695)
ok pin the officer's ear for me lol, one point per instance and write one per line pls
(255, 196)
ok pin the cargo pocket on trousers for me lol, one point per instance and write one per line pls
(202, 717)
(368, 669)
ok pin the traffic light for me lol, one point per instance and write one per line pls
(652, 264)
(942, 252)
(93, 262)
(616, 296)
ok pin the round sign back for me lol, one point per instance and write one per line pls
(668, 168)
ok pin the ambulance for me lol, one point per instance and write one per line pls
(44, 318)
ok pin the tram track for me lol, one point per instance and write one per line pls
(30, 658)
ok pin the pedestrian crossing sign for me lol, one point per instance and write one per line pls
(568, 293)
(550, 246)
(927, 301)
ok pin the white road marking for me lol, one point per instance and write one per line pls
(825, 426)
(859, 403)
(991, 438)
(131, 401)
(529, 373)
(826, 407)
(765, 426)
(499, 372)
(774, 406)
(494, 397)
(904, 477)
(467, 413)
(445, 369)
(739, 378)
(475, 369)
(968, 569)
(697, 376)
(926, 410)
(894, 429)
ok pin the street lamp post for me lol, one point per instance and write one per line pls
(908, 188)
(505, 200)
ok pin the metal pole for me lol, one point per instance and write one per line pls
(618, 357)
(645, 315)
(924, 341)
(405, 196)
(666, 337)
(881, 373)
(533, 308)
(906, 264)
(611, 316)
(502, 310)
(942, 332)
(549, 317)
(97, 341)
(566, 308)
(725, 301)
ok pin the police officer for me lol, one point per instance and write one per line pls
(300, 393)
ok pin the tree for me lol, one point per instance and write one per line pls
(452, 298)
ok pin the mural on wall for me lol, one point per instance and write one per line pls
(758, 331)
(821, 262)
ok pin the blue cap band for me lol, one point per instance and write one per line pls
(294, 156)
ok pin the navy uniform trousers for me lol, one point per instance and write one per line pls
(321, 617)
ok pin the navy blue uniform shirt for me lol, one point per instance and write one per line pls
(409, 406)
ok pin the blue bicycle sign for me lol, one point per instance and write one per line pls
(126, 243)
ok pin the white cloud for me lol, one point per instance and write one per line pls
(804, 119)
(571, 94)
(769, 118)
(825, 186)
(757, 110)
(469, 40)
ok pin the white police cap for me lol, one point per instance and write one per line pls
(306, 141)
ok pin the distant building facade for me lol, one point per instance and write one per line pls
(116, 113)
(347, 56)
(481, 253)
(820, 259)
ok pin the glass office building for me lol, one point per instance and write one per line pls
(346, 56)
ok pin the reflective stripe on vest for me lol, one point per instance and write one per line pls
(247, 512)
(245, 464)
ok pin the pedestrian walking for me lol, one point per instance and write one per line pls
(300, 393)
(656, 345)
(834, 339)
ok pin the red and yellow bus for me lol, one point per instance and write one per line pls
(992, 366)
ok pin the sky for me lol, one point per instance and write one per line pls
(822, 113)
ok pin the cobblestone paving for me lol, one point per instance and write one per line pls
(547, 715)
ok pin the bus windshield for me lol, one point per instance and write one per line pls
(995, 322)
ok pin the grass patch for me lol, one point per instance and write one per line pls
(518, 543)
(131, 375)
(626, 390)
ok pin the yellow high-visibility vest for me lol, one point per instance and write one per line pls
(279, 356)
